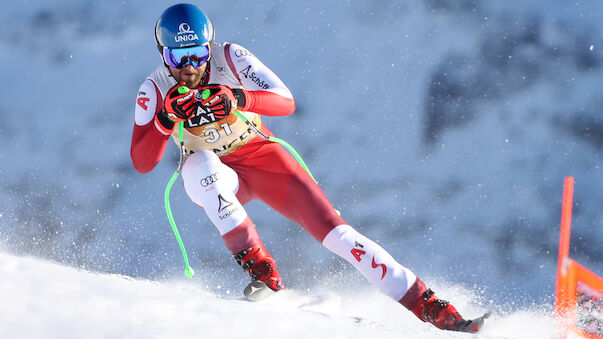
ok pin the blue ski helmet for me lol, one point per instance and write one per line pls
(183, 25)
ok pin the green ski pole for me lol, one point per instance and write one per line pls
(188, 270)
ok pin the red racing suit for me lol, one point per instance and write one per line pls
(228, 165)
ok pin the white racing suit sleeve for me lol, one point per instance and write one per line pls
(253, 74)
(146, 103)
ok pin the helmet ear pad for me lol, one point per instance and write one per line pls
(160, 50)
(159, 47)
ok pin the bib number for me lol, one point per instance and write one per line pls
(212, 135)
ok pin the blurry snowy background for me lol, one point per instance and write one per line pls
(441, 129)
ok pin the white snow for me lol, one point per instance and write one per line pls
(46, 300)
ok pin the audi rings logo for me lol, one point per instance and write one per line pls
(209, 180)
(185, 28)
(242, 52)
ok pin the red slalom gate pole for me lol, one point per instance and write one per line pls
(561, 289)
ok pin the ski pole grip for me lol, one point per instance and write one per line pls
(183, 89)
(205, 94)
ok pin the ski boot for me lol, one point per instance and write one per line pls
(427, 307)
(261, 267)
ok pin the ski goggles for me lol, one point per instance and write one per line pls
(180, 57)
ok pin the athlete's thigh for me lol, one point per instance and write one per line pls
(276, 178)
(212, 185)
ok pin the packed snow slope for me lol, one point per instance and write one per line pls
(73, 303)
(441, 129)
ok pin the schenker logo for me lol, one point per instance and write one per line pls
(185, 33)
(223, 204)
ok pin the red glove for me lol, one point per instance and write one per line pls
(180, 105)
(221, 100)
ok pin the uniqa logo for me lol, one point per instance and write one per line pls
(185, 33)
(185, 28)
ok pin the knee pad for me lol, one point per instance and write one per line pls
(373, 262)
(212, 185)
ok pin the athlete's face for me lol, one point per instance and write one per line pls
(189, 74)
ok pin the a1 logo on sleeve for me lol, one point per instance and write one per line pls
(142, 101)
(357, 252)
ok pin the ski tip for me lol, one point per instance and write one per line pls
(257, 290)
(473, 326)
(479, 322)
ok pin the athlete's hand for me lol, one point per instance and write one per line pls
(180, 102)
(219, 99)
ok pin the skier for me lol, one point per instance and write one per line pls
(228, 164)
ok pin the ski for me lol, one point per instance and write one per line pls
(474, 325)
(257, 290)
